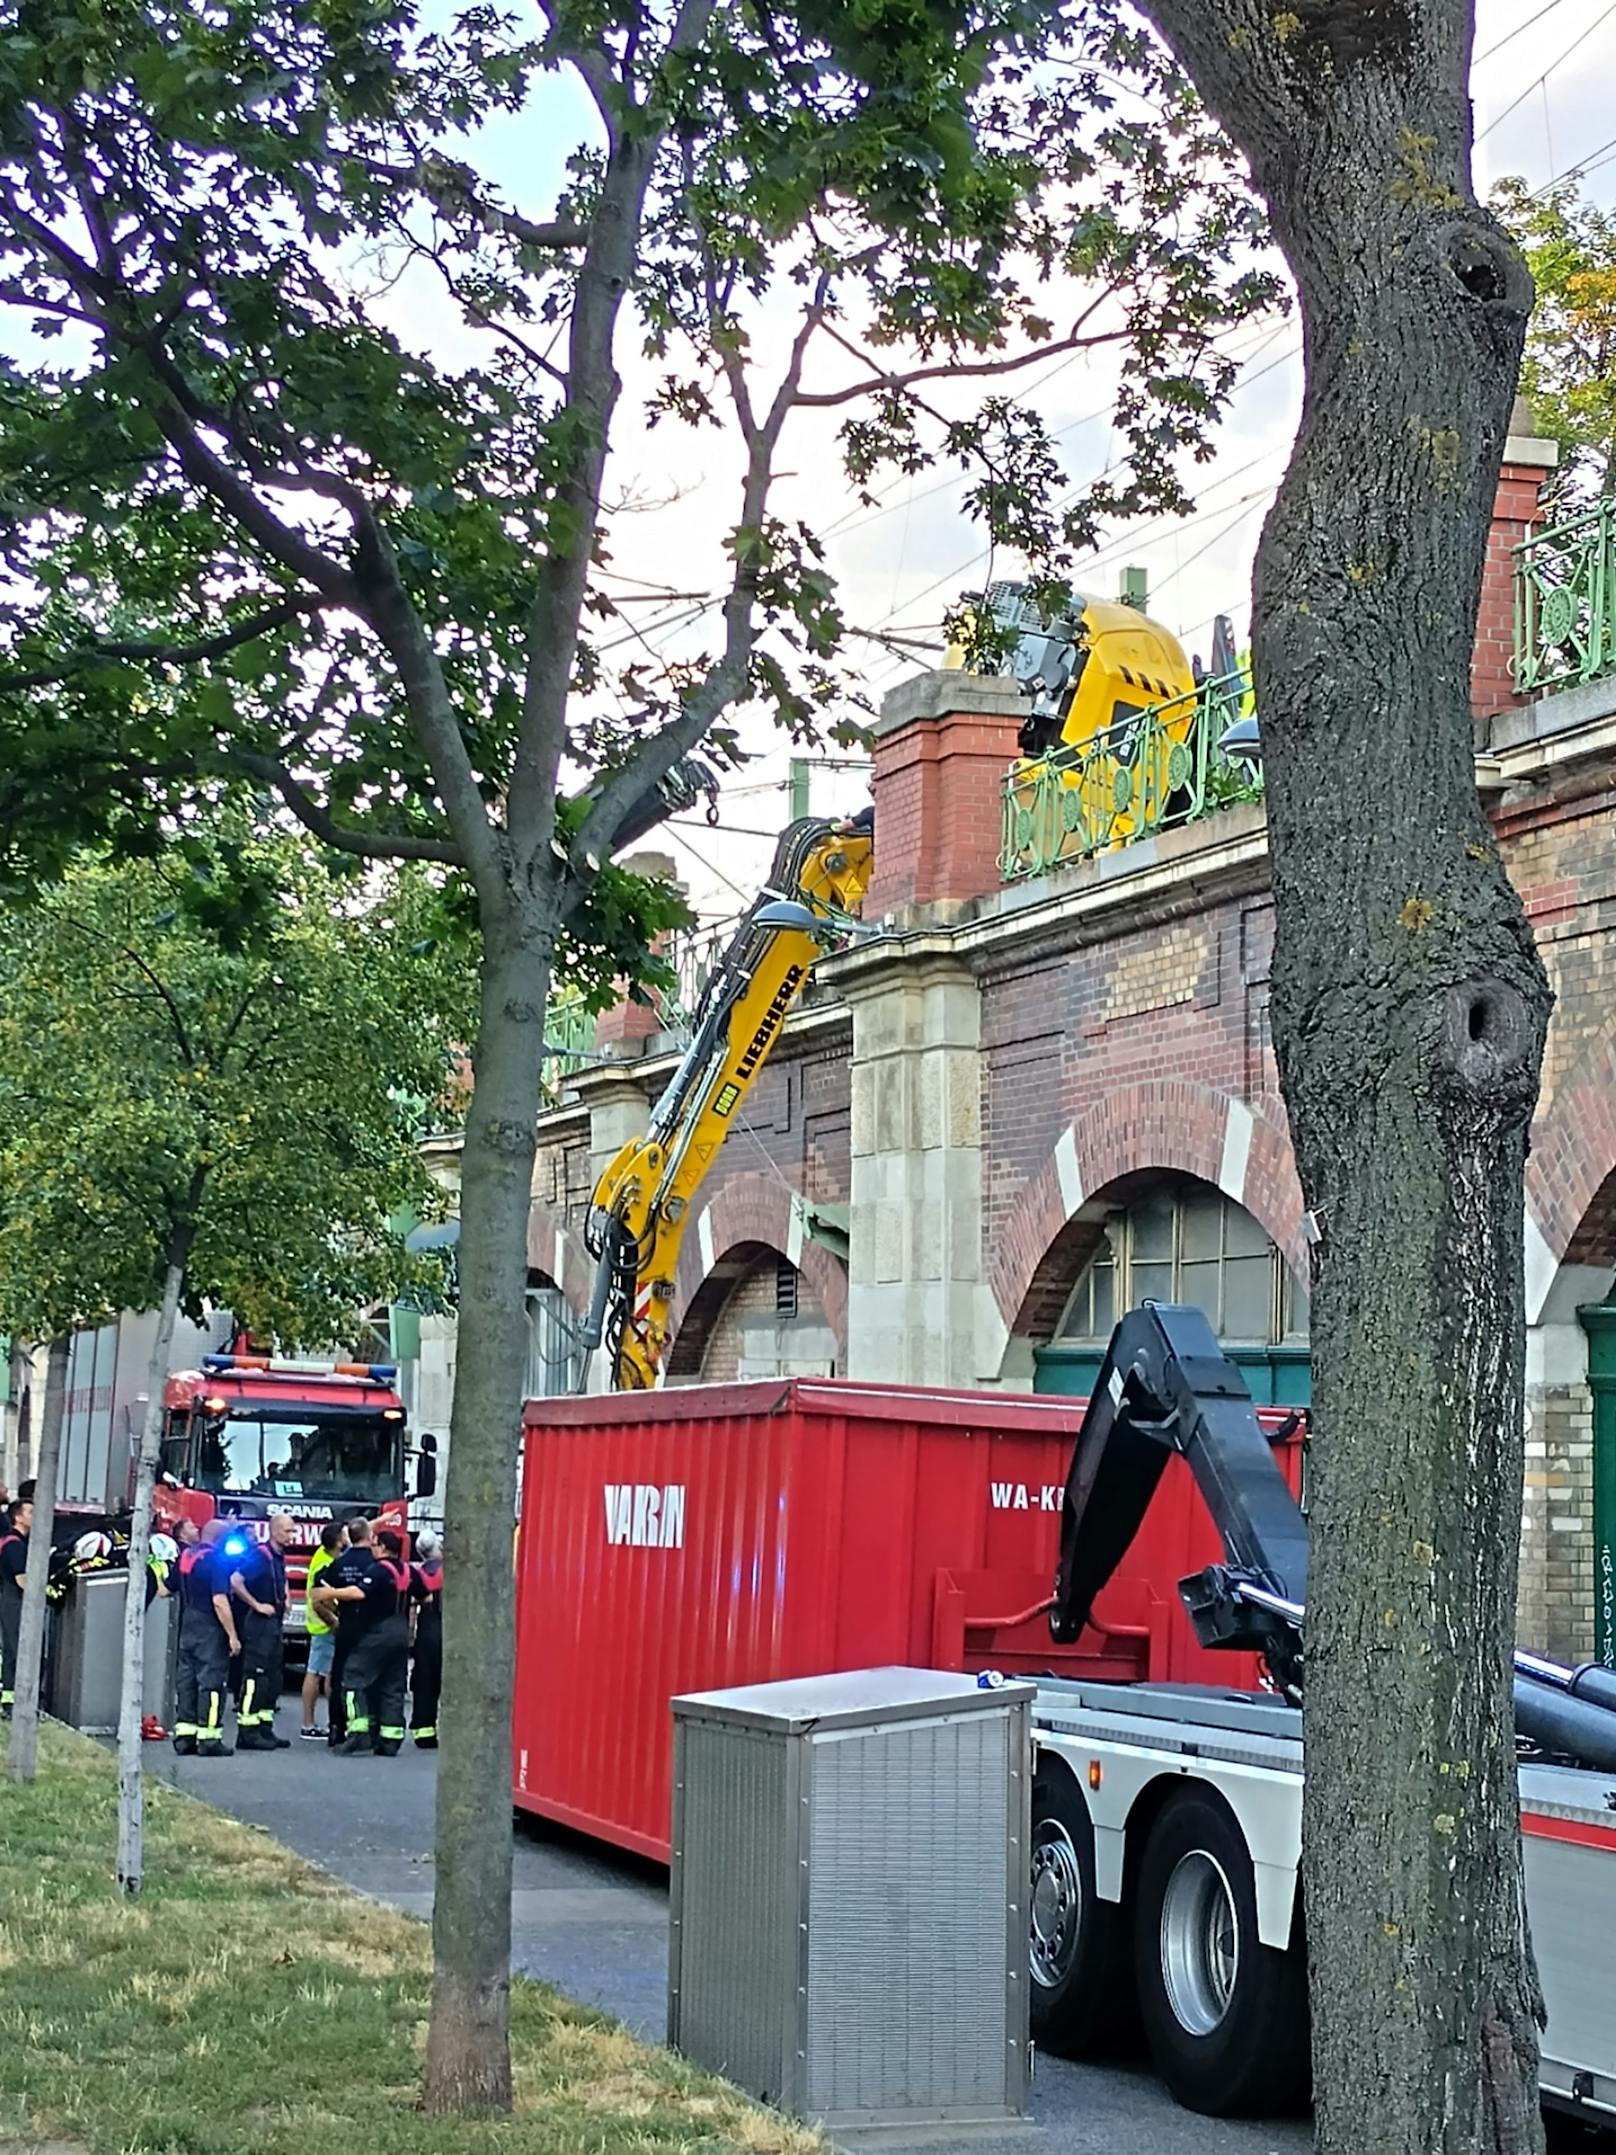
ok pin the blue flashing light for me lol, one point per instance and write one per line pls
(235, 1546)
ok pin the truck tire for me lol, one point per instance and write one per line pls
(1225, 2016)
(1077, 1952)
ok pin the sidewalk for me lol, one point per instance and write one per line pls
(595, 1923)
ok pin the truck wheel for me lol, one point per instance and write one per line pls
(1075, 1946)
(1225, 2016)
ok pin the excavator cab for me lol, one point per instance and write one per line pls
(1111, 696)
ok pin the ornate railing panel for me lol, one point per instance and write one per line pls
(1565, 602)
(1147, 771)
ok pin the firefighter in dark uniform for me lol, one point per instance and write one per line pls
(13, 1577)
(426, 1677)
(378, 1663)
(208, 1642)
(258, 1585)
(351, 1568)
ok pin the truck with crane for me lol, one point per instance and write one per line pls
(1167, 1818)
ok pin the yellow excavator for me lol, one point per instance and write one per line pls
(640, 1209)
(1091, 670)
(1088, 672)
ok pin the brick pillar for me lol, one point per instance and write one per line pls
(943, 744)
(627, 1026)
(1516, 514)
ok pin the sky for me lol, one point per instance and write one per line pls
(1541, 87)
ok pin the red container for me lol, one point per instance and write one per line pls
(709, 1535)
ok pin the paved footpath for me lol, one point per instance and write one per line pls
(595, 1923)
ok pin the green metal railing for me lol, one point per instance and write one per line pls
(569, 1039)
(1148, 771)
(1565, 602)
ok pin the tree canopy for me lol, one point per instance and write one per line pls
(1568, 374)
(222, 1040)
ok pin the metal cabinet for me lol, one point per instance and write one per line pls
(850, 1861)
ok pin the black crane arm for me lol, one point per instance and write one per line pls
(1166, 1386)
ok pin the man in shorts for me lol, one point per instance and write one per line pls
(322, 1636)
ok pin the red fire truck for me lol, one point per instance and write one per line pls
(246, 1435)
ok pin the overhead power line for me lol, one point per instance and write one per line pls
(1537, 81)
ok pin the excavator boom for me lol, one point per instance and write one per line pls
(640, 1208)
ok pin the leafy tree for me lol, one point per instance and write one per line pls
(1569, 369)
(1409, 1011)
(251, 531)
(200, 1064)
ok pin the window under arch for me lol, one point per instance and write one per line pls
(1183, 1241)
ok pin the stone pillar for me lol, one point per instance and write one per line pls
(1516, 515)
(618, 1110)
(943, 744)
(915, 1274)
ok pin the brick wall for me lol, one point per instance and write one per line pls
(1556, 1602)
(1515, 516)
(1183, 1003)
(748, 1339)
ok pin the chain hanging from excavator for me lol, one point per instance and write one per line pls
(640, 1209)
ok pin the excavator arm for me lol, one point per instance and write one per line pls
(1166, 1386)
(640, 1208)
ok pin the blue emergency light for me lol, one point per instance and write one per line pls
(235, 1546)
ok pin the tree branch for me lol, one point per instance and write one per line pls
(629, 786)
(168, 654)
(449, 187)
(318, 819)
(952, 370)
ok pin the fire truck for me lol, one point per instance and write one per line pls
(246, 1435)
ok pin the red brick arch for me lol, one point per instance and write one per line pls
(759, 1209)
(558, 1252)
(1573, 1153)
(1161, 1125)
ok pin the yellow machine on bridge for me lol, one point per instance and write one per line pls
(1112, 697)
(640, 1209)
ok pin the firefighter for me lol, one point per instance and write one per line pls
(426, 1677)
(13, 1578)
(351, 1568)
(208, 1640)
(258, 1583)
(378, 1662)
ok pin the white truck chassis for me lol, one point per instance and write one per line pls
(1141, 1888)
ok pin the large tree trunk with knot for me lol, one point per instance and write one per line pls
(1409, 1011)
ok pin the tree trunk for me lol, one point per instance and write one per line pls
(131, 1711)
(31, 1635)
(1409, 1009)
(468, 2050)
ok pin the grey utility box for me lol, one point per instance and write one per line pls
(850, 1863)
(87, 1678)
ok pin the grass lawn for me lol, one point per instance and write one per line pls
(248, 2004)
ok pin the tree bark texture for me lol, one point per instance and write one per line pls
(131, 1706)
(468, 2050)
(1409, 1009)
(24, 1755)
